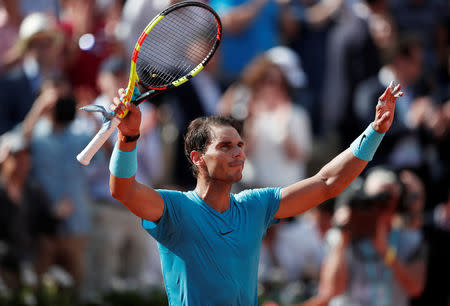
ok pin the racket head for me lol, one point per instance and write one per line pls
(174, 47)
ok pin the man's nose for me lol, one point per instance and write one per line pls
(238, 152)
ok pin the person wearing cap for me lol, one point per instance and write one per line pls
(25, 213)
(372, 258)
(37, 56)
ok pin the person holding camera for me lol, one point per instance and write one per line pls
(372, 260)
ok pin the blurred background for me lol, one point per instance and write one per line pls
(303, 76)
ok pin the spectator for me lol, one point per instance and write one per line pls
(413, 200)
(305, 28)
(89, 44)
(426, 19)
(10, 19)
(351, 57)
(24, 210)
(39, 53)
(372, 261)
(402, 148)
(54, 147)
(298, 248)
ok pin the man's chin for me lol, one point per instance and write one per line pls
(237, 178)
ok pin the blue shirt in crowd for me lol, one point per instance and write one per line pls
(208, 257)
(62, 176)
(261, 34)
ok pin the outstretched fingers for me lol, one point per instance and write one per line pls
(396, 92)
(391, 93)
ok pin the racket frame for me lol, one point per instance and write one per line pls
(105, 132)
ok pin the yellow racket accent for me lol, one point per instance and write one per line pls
(193, 73)
(154, 21)
(134, 78)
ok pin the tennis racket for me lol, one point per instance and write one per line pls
(174, 47)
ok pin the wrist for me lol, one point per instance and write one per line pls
(365, 146)
(123, 163)
(127, 142)
(127, 138)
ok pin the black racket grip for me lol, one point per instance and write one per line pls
(145, 96)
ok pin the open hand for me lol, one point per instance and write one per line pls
(385, 108)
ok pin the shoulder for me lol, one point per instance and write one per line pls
(258, 194)
(176, 195)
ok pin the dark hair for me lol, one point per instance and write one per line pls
(403, 47)
(198, 135)
(64, 111)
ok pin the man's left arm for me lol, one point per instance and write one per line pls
(335, 176)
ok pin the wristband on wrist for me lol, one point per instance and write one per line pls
(123, 164)
(390, 256)
(127, 138)
(365, 146)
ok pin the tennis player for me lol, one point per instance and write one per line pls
(209, 239)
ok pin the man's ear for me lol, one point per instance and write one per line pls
(197, 158)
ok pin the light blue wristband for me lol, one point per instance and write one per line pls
(123, 164)
(365, 146)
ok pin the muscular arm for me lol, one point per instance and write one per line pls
(141, 200)
(335, 176)
(331, 180)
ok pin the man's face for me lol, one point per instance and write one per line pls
(224, 157)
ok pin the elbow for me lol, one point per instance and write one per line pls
(119, 194)
(331, 186)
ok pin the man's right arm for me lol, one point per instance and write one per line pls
(141, 200)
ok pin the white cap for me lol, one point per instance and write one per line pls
(35, 23)
(290, 63)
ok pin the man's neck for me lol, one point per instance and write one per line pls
(215, 194)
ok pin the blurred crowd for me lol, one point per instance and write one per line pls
(303, 76)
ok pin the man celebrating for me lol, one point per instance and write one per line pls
(209, 239)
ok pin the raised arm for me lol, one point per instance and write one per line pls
(141, 200)
(335, 176)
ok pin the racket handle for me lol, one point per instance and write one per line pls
(96, 143)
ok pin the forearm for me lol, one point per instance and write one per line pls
(122, 186)
(340, 172)
(144, 202)
(332, 179)
(410, 278)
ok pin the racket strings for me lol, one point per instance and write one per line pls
(176, 45)
(198, 52)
